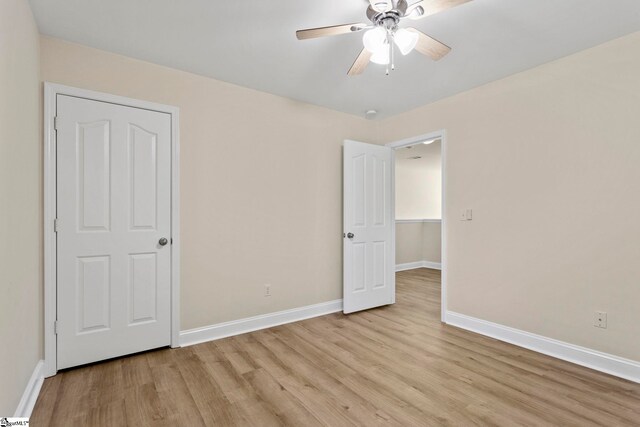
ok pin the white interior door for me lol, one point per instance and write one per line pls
(369, 265)
(113, 212)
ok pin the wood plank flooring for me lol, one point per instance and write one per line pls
(395, 365)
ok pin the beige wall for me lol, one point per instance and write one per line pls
(432, 241)
(261, 184)
(20, 203)
(408, 242)
(418, 241)
(549, 161)
(419, 182)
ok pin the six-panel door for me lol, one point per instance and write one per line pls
(113, 207)
(369, 274)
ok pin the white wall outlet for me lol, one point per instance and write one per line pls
(267, 290)
(600, 320)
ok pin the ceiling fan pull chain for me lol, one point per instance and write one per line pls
(388, 62)
(389, 58)
(392, 51)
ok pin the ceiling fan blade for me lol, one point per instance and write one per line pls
(334, 30)
(429, 46)
(424, 8)
(360, 63)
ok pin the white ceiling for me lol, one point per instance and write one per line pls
(252, 43)
(430, 156)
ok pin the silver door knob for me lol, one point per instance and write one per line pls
(163, 241)
(351, 235)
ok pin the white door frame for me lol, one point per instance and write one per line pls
(51, 90)
(442, 135)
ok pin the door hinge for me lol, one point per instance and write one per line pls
(55, 327)
(55, 123)
(55, 225)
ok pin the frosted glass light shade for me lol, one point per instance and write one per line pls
(405, 40)
(374, 39)
(381, 56)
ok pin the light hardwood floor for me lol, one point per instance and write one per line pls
(395, 365)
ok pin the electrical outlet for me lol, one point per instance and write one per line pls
(267, 290)
(600, 320)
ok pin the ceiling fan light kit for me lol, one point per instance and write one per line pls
(380, 42)
(384, 33)
(405, 40)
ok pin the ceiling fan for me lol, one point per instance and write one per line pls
(383, 32)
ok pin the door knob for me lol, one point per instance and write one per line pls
(351, 235)
(163, 241)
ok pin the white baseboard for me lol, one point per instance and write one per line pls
(250, 324)
(419, 264)
(408, 266)
(603, 362)
(31, 392)
(432, 265)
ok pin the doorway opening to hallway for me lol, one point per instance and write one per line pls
(418, 215)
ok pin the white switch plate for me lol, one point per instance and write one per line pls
(463, 215)
(267, 290)
(469, 214)
(600, 320)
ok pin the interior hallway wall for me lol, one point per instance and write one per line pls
(432, 242)
(408, 242)
(418, 241)
(418, 190)
(419, 181)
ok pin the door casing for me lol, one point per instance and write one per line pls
(442, 135)
(51, 91)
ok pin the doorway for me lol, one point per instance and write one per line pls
(111, 227)
(419, 228)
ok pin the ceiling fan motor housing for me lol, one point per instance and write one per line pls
(390, 17)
